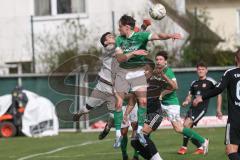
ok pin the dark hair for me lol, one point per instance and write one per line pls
(103, 38)
(201, 64)
(237, 54)
(150, 63)
(127, 20)
(163, 54)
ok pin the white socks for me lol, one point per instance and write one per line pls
(139, 129)
(84, 109)
(156, 157)
(118, 133)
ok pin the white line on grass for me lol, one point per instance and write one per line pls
(83, 155)
(60, 149)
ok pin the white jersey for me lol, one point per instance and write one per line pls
(107, 58)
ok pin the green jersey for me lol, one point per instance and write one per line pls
(171, 98)
(137, 41)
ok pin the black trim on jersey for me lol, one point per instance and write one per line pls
(231, 81)
(220, 86)
(198, 87)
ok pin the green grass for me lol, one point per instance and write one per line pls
(81, 146)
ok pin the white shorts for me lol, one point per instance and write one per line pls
(102, 94)
(132, 117)
(172, 111)
(130, 79)
(103, 87)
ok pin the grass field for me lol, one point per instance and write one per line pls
(85, 146)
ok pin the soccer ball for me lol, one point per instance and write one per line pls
(157, 11)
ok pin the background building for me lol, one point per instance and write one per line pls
(25, 23)
(224, 19)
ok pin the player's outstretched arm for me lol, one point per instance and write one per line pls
(124, 57)
(165, 92)
(188, 99)
(213, 92)
(165, 36)
(219, 87)
(172, 83)
(197, 100)
(219, 107)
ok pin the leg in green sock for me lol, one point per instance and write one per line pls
(192, 134)
(135, 155)
(118, 117)
(124, 146)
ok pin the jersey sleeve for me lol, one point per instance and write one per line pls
(118, 42)
(146, 36)
(170, 74)
(191, 88)
(219, 87)
(213, 82)
(108, 52)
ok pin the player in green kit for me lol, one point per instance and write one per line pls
(130, 53)
(170, 103)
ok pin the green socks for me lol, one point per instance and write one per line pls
(118, 117)
(124, 145)
(135, 153)
(141, 115)
(192, 134)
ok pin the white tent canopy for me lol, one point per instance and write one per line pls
(39, 118)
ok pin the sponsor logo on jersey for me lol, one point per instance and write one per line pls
(204, 85)
(237, 103)
(198, 93)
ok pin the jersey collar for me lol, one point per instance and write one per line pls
(131, 34)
